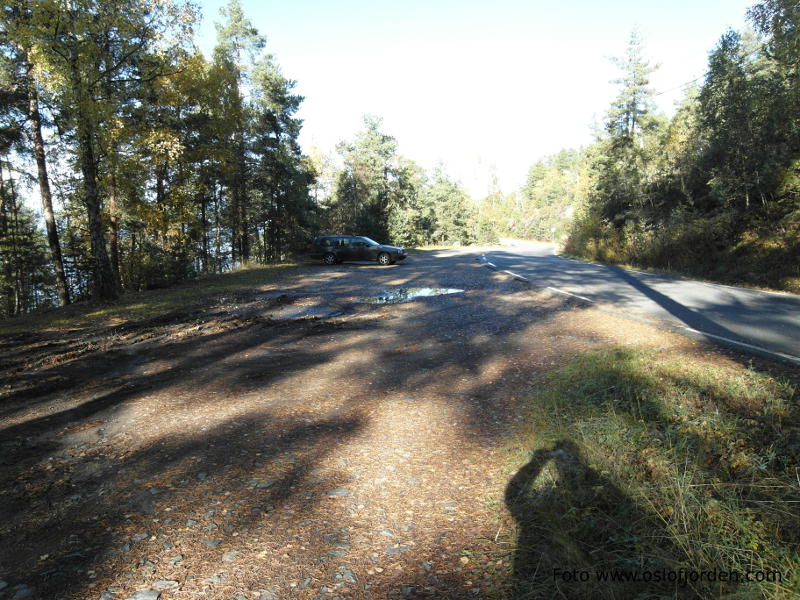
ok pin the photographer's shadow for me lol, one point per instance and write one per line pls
(574, 523)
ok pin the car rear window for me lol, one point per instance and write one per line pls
(327, 242)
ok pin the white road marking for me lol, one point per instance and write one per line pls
(569, 294)
(678, 278)
(517, 277)
(789, 357)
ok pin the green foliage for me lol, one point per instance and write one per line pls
(630, 115)
(151, 266)
(25, 280)
(166, 165)
(544, 208)
(178, 300)
(449, 211)
(368, 185)
(281, 175)
(622, 182)
(383, 195)
(411, 218)
(713, 191)
(777, 20)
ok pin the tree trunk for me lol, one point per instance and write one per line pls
(114, 223)
(204, 223)
(240, 190)
(17, 259)
(279, 230)
(234, 212)
(44, 188)
(105, 287)
(8, 259)
(217, 234)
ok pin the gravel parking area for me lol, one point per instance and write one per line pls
(293, 441)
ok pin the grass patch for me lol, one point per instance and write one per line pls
(647, 463)
(148, 304)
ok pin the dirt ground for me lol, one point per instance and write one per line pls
(291, 441)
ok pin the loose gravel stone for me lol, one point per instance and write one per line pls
(346, 575)
(22, 591)
(165, 584)
(146, 595)
(427, 426)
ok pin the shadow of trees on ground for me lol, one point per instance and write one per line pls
(221, 434)
(215, 431)
(748, 316)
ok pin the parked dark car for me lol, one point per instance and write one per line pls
(334, 249)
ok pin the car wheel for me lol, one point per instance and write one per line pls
(384, 258)
(329, 259)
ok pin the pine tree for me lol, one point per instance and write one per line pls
(621, 185)
(93, 54)
(239, 43)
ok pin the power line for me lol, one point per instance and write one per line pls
(678, 87)
(696, 79)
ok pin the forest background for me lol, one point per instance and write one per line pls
(154, 164)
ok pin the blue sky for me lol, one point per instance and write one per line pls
(481, 87)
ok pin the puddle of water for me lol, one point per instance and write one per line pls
(280, 295)
(321, 312)
(132, 366)
(408, 294)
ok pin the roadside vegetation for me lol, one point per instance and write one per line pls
(643, 461)
(712, 191)
(156, 164)
(178, 300)
(165, 165)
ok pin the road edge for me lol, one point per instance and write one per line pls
(689, 332)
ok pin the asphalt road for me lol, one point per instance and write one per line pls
(766, 320)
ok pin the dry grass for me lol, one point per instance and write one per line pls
(646, 461)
